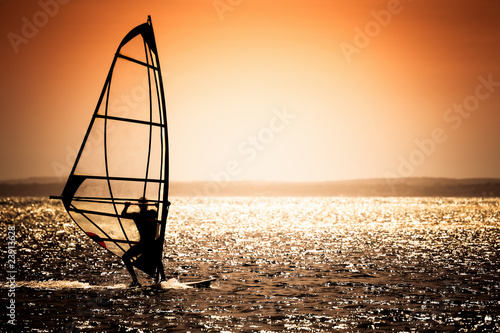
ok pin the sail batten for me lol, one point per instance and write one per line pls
(128, 179)
(123, 158)
(136, 121)
(122, 56)
(91, 234)
(108, 200)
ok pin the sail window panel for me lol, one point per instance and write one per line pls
(94, 205)
(151, 191)
(129, 94)
(133, 190)
(127, 149)
(135, 49)
(93, 189)
(136, 190)
(105, 225)
(92, 161)
(127, 189)
(84, 223)
(156, 162)
(87, 224)
(129, 231)
(108, 230)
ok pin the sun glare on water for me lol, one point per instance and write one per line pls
(280, 262)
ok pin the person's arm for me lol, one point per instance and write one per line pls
(124, 211)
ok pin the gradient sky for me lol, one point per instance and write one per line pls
(266, 89)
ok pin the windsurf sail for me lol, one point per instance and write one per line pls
(124, 155)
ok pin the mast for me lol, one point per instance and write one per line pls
(165, 170)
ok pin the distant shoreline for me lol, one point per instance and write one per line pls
(407, 187)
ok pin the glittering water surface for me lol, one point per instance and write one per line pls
(298, 264)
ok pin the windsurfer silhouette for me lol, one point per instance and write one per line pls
(146, 222)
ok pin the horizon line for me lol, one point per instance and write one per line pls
(55, 179)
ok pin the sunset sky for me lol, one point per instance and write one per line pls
(284, 90)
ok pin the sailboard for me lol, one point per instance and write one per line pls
(124, 159)
(174, 283)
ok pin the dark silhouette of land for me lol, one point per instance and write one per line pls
(411, 187)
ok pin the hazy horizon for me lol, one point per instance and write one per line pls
(266, 91)
(54, 179)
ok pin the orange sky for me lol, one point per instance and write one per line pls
(282, 89)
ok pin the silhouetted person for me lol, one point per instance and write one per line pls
(146, 222)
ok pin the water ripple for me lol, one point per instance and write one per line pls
(299, 264)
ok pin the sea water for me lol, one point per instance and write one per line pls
(296, 264)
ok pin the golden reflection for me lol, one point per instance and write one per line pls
(318, 263)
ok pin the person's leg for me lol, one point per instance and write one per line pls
(162, 272)
(132, 252)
